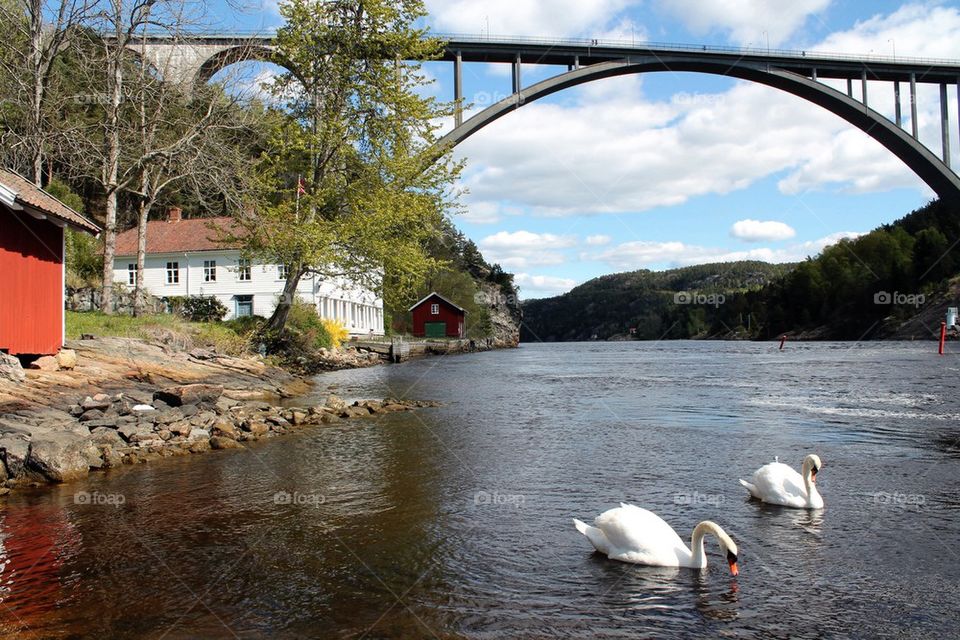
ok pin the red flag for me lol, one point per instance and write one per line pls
(301, 187)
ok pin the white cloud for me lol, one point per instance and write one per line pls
(610, 148)
(534, 286)
(598, 240)
(761, 231)
(746, 21)
(525, 17)
(522, 249)
(640, 254)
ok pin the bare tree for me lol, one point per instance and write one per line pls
(36, 33)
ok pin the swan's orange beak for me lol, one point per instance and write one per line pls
(732, 561)
(813, 475)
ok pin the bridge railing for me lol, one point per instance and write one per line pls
(608, 43)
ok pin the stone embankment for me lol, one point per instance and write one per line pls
(45, 444)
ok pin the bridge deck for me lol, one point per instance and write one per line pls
(586, 52)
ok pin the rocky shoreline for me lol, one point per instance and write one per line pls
(128, 401)
(43, 445)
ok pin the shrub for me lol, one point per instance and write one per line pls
(336, 330)
(245, 325)
(305, 328)
(198, 308)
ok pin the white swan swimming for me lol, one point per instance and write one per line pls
(630, 534)
(778, 483)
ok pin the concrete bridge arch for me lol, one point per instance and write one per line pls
(931, 169)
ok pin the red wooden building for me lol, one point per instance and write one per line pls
(32, 224)
(437, 317)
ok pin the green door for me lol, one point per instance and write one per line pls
(436, 329)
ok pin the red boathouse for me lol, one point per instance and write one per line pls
(32, 224)
(437, 317)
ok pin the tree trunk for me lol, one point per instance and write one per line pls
(142, 214)
(279, 318)
(36, 100)
(111, 172)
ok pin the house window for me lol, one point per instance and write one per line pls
(209, 270)
(244, 306)
(243, 270)
(132, 275)
(173, 273)
(435, 309)
(281, 272)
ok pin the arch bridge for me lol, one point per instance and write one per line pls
(196, 58)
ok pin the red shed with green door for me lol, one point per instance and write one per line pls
(437, 317)
(32, 224)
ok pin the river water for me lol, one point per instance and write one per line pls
(456, 522)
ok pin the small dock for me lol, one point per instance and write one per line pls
(400, 349)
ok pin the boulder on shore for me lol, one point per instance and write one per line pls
(67, 359)
(10, 368)
(60, 457)
(45, 363)
(188, 394)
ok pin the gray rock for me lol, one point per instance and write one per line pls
(204, 419)
(225, 428)
(75, 410)
(336, 403)
(189, 410)
(11, 369)
(91, 414)
(16, 450)
(278, 420)
(103, 422)
(168, 416)
(136, 433)
(103, 435)
(199, 434)
(189, 394)
(99, 401)
(182, 428)
(222, 442)
(59, 457)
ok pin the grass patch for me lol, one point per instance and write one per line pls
(230, 337)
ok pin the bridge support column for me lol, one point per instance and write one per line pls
(896, 103)
(913, 106)
(516, 74)
(813, 74)
(458, 89)
(945, 124)
(849, 87)
(863, 85)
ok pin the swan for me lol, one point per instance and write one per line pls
(778, 483)
(630, 534)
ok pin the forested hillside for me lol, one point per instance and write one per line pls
(893, 281)
(654, 304)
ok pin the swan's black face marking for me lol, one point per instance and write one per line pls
(732, 561)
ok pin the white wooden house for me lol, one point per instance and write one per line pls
(184, 258)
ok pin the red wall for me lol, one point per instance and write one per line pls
(448, 313)
(31, 284)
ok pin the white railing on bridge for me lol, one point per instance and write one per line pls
(608, 43)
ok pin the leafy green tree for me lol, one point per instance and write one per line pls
(352, 182)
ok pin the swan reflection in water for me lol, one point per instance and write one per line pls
(664, 591)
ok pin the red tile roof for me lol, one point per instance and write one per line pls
(30, 195)
(179, 236)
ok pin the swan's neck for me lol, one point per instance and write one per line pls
(809, 484)
(698, 559)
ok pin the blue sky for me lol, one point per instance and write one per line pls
(668, 169)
